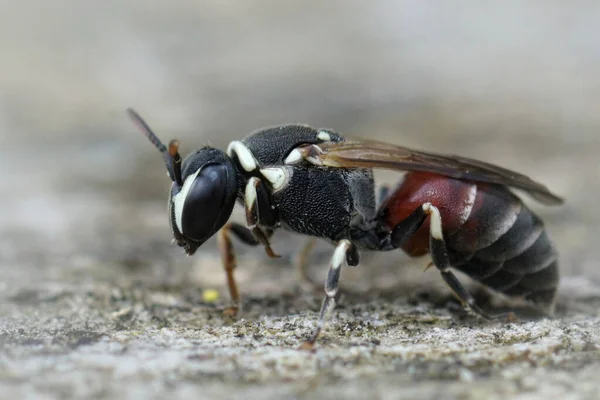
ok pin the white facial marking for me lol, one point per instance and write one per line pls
(277, 176)
(250, 193)
(324, 136)
(294, 157)
(435, 227)
(244, 155)
(179, 199)
(468, 204)
(339, 255)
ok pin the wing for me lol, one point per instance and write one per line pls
(364, 153)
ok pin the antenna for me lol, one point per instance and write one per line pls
(174, 153)
(170, 155)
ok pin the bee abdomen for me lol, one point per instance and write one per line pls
(522, 262)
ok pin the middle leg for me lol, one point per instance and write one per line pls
(344, 252)
(301, 264)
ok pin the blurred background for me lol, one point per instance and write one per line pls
(83, 194)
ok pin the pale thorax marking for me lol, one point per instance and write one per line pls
(324, 136)
(278, 177)
(244, 155)
(294, 157)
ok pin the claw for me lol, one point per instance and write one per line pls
(262, 237)
(431, 264)
(231, 311)
(308, 346)
(511, 317)
(270, 251)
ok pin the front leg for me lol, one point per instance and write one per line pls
(229, 260)
(260, 212)
(258, 208)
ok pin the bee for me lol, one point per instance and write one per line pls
(317, 183)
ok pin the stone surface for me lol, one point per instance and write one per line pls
(96, 303)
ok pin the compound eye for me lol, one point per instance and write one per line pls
(200, 204)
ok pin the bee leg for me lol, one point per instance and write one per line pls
(301, 264)
(345, 251)
(229, 260)
(439, 254)
(437, 247)
(263, 237)
(259, 209)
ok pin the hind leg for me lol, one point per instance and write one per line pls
(439, 254)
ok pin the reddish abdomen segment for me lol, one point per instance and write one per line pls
(489, 233)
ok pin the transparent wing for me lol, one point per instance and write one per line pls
(364, 153)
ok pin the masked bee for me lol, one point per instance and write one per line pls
(316, 183)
